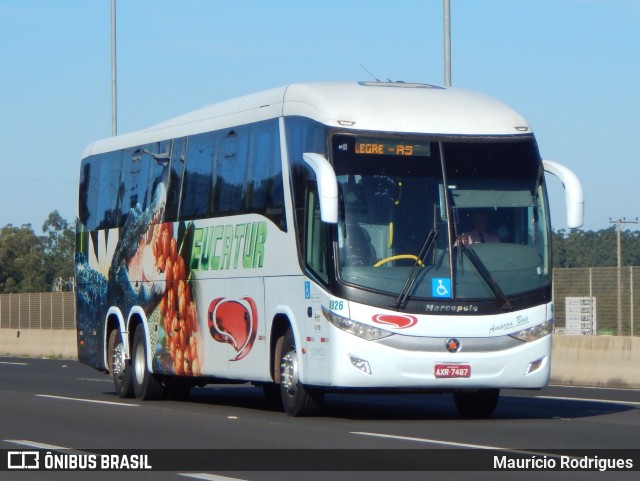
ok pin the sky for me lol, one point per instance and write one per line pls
(570, 67)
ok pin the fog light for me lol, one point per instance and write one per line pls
(533, 366)
(360, 364)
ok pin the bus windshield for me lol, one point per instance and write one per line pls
(441, 219)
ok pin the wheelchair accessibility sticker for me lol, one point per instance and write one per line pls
(441, 287)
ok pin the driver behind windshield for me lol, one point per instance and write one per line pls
(479, 234)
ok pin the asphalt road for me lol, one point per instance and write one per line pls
(53, 404)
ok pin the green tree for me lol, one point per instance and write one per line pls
(595, 248)
(29, 263)
(58, 246)
(22, 267)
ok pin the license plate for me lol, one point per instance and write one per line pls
(452, 370)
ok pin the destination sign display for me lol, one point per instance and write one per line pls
(370, 146)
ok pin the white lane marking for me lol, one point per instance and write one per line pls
(455, 444)
(208, 477)
(93, 380)
(426, 440)
(49, 447)
(15, 363)
(64, 398)
(608, 401)
(34, 444)
(603, 388)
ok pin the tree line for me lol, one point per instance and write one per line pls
(580, 248)
(35, 263)
(40, 263)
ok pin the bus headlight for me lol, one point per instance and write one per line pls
(535, 332)
(370, 333)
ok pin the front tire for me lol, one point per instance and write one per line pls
(477, 404)
(118, 365)
(145, 384)
(297, 399)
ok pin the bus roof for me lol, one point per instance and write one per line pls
(375, 106)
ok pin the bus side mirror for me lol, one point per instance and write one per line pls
(327, 186)
(573, 192)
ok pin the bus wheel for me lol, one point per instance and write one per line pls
(477, 404)
(297, 399)
(145, 385)
(119, 367)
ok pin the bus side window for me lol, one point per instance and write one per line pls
(87, 198)
(135, 175)
(264, 193)
(315, 236)
(230, 167)
(174, 182)
(144, 178)
(156, 195)
(198, 175)
(108, 189)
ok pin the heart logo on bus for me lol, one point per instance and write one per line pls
(400, 321)
(234, 322)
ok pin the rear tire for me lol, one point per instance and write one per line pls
(478, 404)
(145, 384)
(118, 365)
(297, 399)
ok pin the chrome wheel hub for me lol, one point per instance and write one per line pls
(140, 363)
(118, 361)
(289, 372)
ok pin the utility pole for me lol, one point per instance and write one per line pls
(619, 223)
(114, 93)
(446, 14)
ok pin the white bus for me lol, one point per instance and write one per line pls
(322, 237)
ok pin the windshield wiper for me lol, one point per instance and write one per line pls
(428, 246)
(486, 276)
